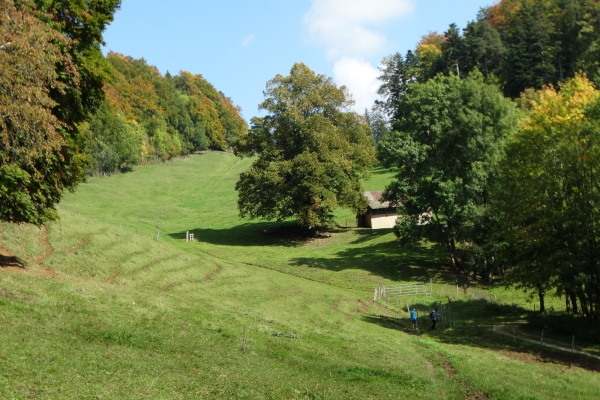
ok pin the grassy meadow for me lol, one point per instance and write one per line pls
(93, 306)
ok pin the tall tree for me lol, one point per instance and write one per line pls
(549, 196)
(529, 37)
(395, 76)
(484, 47)
(52, 75)
(446, 146)
(32, 139)
(312, 152)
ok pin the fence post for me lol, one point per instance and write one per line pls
(542, 338)
(375, 295)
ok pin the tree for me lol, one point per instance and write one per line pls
(531, 48)
(484, 47)
(51, 81)
(32, 138)
(455, 57)
(548, 195)
(446, 146)
(396, 73)
(311, 152)
(377, 122)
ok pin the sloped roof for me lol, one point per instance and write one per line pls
(375, 200)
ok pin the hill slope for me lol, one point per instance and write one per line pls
(102, 309)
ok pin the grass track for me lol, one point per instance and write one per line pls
(129, 317)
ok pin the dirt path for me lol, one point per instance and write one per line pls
(47, 251)
(213, 274)
(472, 394)
(506, 330)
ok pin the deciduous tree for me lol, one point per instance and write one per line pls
(446, 146)
(312, 152)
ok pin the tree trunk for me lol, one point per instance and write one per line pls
(583, 303)
(574, 302)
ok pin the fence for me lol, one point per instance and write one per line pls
(406, 289)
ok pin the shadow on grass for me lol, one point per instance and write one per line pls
(386, 259)
(10, 262)
(381, 170)
(474, 334)
(250, 234)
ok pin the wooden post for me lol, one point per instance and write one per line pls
(407, 308)
(157, 235)
(375, 295)
(244, 341)
(542, 338)
(457, 288)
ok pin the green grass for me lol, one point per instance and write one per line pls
(124, 316)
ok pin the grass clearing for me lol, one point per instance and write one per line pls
(121, 315)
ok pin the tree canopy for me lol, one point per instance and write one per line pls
(50, 82)
(446, 144)
(548, 195)
(147, 116)
(312, 152)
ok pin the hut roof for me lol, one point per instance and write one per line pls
(375, 200)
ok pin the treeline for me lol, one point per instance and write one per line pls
(146, 116)
(495, 132)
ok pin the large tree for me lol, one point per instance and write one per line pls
(446, 145)
(549, 197)
(312, 152)
(51, 80)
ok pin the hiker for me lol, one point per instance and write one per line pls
(433, 316)
(413, 318)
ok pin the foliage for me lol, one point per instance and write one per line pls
(159, 117)
(52, 77)
(548, 195)
(378, 123)
(446, 145)
(312, 153)
(521, 43)
(36, 163)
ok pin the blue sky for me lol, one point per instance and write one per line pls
(239, 45)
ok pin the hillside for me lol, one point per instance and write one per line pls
(96, 307)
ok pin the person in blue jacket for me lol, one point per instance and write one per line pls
(413, 318)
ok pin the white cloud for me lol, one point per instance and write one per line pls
(248, 39)
(361, 79)
(348, 30)
(346, 27)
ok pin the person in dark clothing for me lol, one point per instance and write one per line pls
(433, 316)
